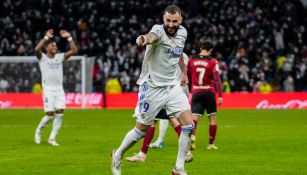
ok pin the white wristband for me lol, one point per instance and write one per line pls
(46, 38)
(69, 39)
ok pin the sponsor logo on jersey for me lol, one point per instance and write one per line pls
(54, 65)
(175, 52)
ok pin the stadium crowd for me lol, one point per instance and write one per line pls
(261, 45)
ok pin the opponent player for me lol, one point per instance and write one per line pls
(51, 67)
(159, 87)
(201, 70)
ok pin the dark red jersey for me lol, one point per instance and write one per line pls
(201, 70)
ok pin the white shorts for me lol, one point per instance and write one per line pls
(153, 99)
(53, 100)
(186, 90)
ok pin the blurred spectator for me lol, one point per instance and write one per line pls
(113, 85)
(3, 85)
(265, 87)
(289, 84)
(37, 88)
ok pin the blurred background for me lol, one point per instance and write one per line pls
(258, 43)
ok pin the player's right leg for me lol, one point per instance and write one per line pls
(48, 100)
(198, 108)
(44, 121)
(130, 139)
(141, 156)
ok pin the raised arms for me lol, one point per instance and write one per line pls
(40, 45)
(73, 48)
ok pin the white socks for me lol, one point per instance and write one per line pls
(163, 125)
(45, 120)
(57, 123)
(130, 139)
(183, 145)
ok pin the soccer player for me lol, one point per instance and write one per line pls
(51, 67)
(202, 69)
(162, 117)
(163, 124)
(159, 87)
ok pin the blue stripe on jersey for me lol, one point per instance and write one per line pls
(142, 95)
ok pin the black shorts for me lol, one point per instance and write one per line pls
(162, 115)
(204, 100)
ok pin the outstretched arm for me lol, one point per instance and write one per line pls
(149, 38)
(40, 45)
(73, 48)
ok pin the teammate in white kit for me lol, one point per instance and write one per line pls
(51, 67)
(159, 87)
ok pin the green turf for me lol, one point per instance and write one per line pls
(251, 142)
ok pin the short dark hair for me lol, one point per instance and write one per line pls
(49, 41)
(172, 9)
(207, 45)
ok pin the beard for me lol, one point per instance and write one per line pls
(175, 28)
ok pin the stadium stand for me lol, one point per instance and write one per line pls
(256, 41)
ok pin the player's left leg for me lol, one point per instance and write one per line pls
(185, 118)
(178, 105)
(177, 127)
(57, 123)
(60, 105)
(212, 131)
(211, 111)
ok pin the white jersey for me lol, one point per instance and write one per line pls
(161, 58)
(52, 71)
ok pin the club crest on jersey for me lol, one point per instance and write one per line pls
(175, 52)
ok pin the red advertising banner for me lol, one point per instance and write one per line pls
(278, 100)
(128, 100)
(29, 100)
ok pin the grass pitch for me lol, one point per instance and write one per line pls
(251, 142)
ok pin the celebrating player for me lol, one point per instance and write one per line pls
(51, 67)
(201, 70)
(162, 117)
(159, 87)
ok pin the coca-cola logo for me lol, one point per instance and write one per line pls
(264, 104)
(5, 104)
(91, 99)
